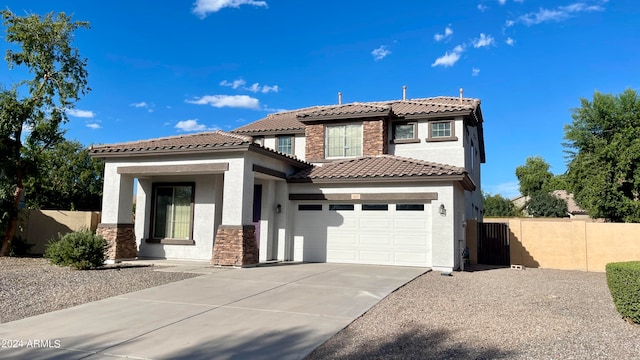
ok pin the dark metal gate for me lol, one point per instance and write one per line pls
(493, 244)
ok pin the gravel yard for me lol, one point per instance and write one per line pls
(491, 314)
(32, 286)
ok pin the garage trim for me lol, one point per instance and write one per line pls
(428, 196)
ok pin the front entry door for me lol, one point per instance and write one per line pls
(257, 211)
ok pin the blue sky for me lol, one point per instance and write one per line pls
(175, 67)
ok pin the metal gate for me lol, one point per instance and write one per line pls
(493, 244)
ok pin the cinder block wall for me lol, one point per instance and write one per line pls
(568, 244)
(39, 226)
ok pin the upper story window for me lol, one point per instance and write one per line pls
(285, 144)
(404, 132)
(173, 211)
(441, 131)
(343, 140)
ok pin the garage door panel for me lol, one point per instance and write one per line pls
(410, 257)
(375, 257)
(410, 240)
(383, 237)
(341, 255)
(378, 239)
(410, 223)
(375, 223)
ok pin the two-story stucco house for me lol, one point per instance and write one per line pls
(389, 182)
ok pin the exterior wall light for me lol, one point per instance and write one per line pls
(442, 210)
(278, 209)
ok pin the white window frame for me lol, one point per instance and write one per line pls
(347, 145)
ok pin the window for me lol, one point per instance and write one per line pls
(310, 207)
(375, 207)
(343, 141)
(405, 132)
(336, 207)
(410, 207)
(285, 144)
(173, 211)
(441, 131)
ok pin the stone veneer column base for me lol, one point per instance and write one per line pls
(235, 245)
(121, 241)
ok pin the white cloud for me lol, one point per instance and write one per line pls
(482, 7)
(475, 72)
(380, 53)
(502, 2)
(87, 114)
(233, 101)
(510, 41)
(447, 32)
(93, 126)
(203, 8)
(559, 13)
(483, 40)
(234, 85)
(189, 125)
(267, 89)
(509, 23)
(254, 88)
(143, 105)
(449, 58)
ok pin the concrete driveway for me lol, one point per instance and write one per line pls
(270, 312)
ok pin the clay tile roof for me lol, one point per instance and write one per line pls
(376, 167)
(351, 110)
(200, 141)
(572, 206)
(293, 120)
(282, 121)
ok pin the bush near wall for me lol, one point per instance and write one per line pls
(623, 279)
(82, 250)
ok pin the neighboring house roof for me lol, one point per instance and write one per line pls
(192, 143)
(572, 206)
(382, 168)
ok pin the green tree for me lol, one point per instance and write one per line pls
(33, 109)
(68, 178)
(534, 176)
(499, 206)
(603, 143)
(544, 204)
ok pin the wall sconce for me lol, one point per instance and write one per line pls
(442, 210)
(278, 209)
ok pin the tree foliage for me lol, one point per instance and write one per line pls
(534, 176)
(603, 143)
(544, 204)
(32, 110)
(68, 178)
(499, 206)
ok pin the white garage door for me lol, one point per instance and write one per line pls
(384, 234)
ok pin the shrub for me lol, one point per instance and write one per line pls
(623, 279)
(81, 250)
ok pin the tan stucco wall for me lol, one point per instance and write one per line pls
(570, 244)
(40, 226)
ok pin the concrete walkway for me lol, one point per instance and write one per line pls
(270, 312)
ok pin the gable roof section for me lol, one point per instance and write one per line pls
(382, 168)
(192, 142)
(281, 122)
(189, 144)
(293, 121)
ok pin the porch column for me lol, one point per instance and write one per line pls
(235, 243)
(117, 218)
